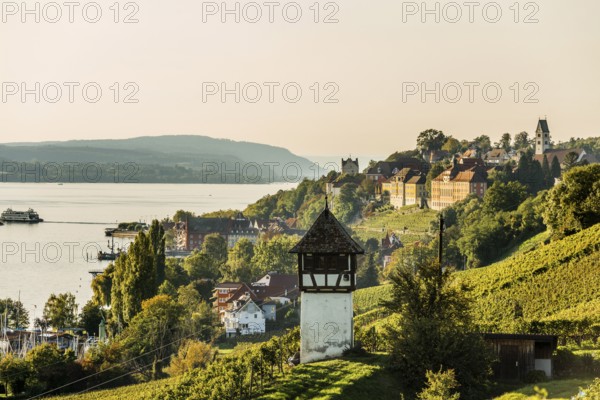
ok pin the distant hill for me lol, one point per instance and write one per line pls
(180, 158)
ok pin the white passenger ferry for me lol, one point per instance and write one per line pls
(28, 216)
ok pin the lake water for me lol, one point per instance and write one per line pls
(40, 259)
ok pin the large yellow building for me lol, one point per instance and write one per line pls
(405, 188)
(456, 183)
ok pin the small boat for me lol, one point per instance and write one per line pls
(112, 256)
(29, 216)
(109, 231)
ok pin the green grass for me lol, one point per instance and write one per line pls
(141, 391)
(557, 389)
(355, 378)
(416, 221)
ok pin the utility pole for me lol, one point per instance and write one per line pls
(441, 247)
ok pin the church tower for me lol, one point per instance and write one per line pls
(327, 278)
(542, 137)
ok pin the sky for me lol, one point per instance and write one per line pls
(319, 78)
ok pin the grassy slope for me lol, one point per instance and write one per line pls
(415, 220)
(561, 279)
(355, 378)
(557, 390)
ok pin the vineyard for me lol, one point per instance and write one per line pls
(415, 220)
(140, 391)
(553, 288)
(370, 298)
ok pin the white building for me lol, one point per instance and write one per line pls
(246, 318)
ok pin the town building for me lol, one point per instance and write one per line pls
(463, 178)
(327, 278)
(406, 188)
(190, 234)
(244, 318)
(350, 166)
(496, 157)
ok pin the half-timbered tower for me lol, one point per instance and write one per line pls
(327, 277)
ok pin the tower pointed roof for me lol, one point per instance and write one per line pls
(543, 125)
(327, 236)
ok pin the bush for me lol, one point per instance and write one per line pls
(440, 386)
(535, 377)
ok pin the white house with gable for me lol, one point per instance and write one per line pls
(246, 318)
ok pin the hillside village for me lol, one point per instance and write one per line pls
(220, 320)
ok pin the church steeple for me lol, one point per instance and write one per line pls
(542, 137)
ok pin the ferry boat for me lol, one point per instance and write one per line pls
(28, 216)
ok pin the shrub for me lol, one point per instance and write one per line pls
(440, 386)
(535, 376)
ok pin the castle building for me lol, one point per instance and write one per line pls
(327, 278)
(350, 166)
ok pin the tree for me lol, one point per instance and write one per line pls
(156, 233)
(14, 372)
(215, 246)
(368, 275)
(63, 365)
(90, 318)
(434, 172)
(239, 267)
(483, 143)
(61, 310)
(452, 145)
(15, 314)
(522, 141)
(570, 160)
(574, 204)
(273, 255)
(153, 333)
(200, 265)
(182, 215)
(191, 355)
(548, 179)
(504, 142)
(504, 197)
(346, 205)
(555, 168)
(431, 139)
(436, 331)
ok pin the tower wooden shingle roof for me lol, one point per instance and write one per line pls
(327, 236)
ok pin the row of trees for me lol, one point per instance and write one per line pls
(433, 139)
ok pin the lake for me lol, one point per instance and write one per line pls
(40, 259)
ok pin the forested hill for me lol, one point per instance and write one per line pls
(179, 158)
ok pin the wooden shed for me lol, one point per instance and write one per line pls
(519, 354)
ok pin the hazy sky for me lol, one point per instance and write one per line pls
(373, 61)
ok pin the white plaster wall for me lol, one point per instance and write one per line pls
(543, 364)
(325, 325)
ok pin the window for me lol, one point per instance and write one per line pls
(255, 316)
